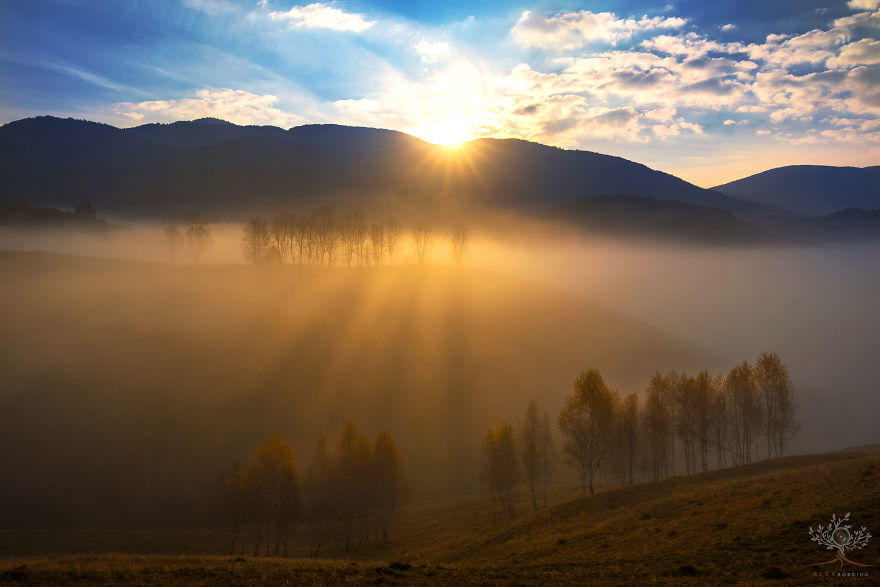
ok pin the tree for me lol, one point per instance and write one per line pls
(377, 242)
(256, 238)
(351, 475)
(392, 237)
(499, 469)
(388, 478)
(546, 451)
(199, 239)
(459, 243)
(318, 496)
(626, 434)
(585, 422)
(172, 238)
(273, 487)
(657, 426)
(703, 393)
(530, 450)
(326, 233)
(421, 235)
(778, 394)
(744, 411)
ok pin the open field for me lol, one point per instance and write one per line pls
(745, 524)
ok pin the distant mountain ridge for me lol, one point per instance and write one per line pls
(810, 190)
(219, 169)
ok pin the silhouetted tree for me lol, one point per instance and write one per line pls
(421, 236)
(172, 238)
(546, 451)
(499, 469)
(744, 411)
(392, 237)
(255, 240)
(272, 484)
(626, 434)
(459, 243)
(352, 469)
(199, 239)
(318, 496)
(585, 422)
(657, 426)
(377, 242)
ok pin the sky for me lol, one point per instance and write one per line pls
(707, 91)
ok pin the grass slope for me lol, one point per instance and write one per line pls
(746, 524)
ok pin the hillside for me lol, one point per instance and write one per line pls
(220, 170)
(810, 190)
(747, 524)
(130, 387)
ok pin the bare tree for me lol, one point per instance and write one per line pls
(377, 242)
(585, 422)
(530, 450)
(172, 237)
(199, 239)
(392, 237)
(499, 469)
(459, 243)
(326, 233)
(421, 235)
(703, 393)
(256, 238)
(778, 394)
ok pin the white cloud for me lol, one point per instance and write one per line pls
(728, 27)
(433, 51)
(574, 29)
(864, 4)
(237, 106)
(861, 52)
(323, 16)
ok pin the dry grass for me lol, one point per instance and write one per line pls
(742, 525)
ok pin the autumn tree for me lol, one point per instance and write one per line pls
(657, 426)
(778, 394)
(499, 470)
(459, 243)
(256, 238)
(273, 487)
(744, 411)
(351, 475)
(625, 437)
(546, 451)
(421, 238)
(198, 239)
(172, 238)
(703, 394)
(585, 422)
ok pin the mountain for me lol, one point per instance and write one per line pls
(810, 190)
(222, 170)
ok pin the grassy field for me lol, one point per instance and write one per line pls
(742, 525)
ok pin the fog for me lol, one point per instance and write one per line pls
(131, 384)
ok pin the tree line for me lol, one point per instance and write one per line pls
(325, 237)
(690, 422)
(348, 492)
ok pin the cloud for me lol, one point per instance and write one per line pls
(237, 106)
(864, 4)
(323, 16)
(728, 27)
(213, 7)
(575, 29)
(861, 52)
(433, 51)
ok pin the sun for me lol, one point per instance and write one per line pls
(449, 133)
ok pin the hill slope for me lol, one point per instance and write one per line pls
(748, 525)
(219, 169)
(810, 190)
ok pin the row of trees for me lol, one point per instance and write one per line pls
(345, 493)
(196, 238)
(702, 420)
(325, 237)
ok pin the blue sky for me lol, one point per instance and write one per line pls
(707, 92)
